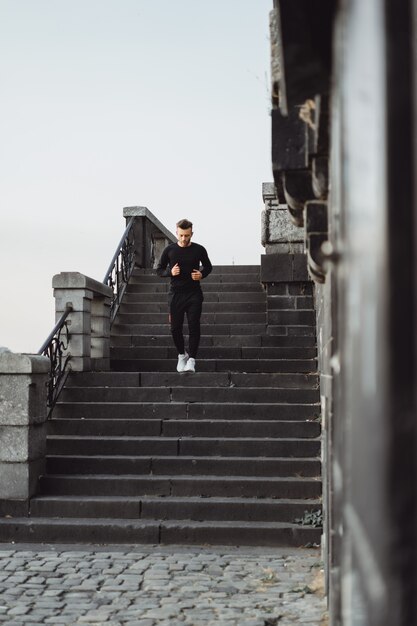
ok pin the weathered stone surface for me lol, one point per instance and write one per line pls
(76, 280)
(204, 587)
(23, 413)
(18, 481)
(12, 363)
(141, 211)
(22, 399)
(277, 227)
(20, 443)
(285, 248)
(277, 268)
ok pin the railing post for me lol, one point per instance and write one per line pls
(89, 321)
(23, 415)
(150, 235)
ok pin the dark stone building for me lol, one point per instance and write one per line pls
(343, 160)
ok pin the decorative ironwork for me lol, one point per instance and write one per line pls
(54, 348)
(120, 269)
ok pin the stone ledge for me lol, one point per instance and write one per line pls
(76, 280)
(11, 363)
(143, 211)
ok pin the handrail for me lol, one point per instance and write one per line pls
(120, 269)
(53, 348)
(116, 254)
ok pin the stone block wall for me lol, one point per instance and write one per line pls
(23, 414)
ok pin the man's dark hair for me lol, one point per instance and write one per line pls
(184, 224)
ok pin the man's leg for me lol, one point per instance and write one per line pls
(176, 319)
(194, 309)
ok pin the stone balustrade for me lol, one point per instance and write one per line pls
(89, 320)
(23, 415)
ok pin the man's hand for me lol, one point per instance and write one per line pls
(175, 270)
(196, 275)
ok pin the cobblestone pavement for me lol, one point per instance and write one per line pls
(168, 586)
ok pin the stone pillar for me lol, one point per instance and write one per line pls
(150, 236)
(279, 234)
(284, 270)
(23, 414)
(89, 321)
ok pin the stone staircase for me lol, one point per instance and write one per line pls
(228, 455)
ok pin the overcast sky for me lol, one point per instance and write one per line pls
(113, 103)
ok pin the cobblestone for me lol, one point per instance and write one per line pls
(145, 586)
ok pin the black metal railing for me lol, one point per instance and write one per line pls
(54, 348)
(120, 269)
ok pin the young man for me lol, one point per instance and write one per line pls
(186, 263)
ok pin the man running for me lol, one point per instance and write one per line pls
(186, 263)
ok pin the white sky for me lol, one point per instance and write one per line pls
(113, 103)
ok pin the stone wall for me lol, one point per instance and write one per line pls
(23, 414)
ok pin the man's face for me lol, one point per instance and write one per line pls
(184, 237)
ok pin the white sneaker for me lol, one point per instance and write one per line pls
(182, 362)
(190, 366)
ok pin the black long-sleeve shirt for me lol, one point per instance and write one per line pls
(192, 257)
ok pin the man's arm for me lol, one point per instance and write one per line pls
(162, 268)
(206, 263)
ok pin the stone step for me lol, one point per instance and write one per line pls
(199, 379)
(218, 365)
(216, 352)
(127, 341)
(181, 486)
(104, 531)
(221, 269)
(190, 394)
(183, 428)
(185, 410)
(174, 465)
(206, 318)
(206, 329)
(163, 287)
(226, 297)
(208, 307)
(177, 508)
(214, 277)
(188, 446)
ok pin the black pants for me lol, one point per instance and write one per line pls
(191, 305)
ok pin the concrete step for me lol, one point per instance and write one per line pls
(199, 379)
(208, 307)
(104, 531)
(226, 297)
(163, 287)
(174, 465)
(127, 341)
(214, 277)
(206, 329)
(177, 508)
(218, 365)
(217, 269)
(188, 446)
(185, 410)
(206, 318)
(181, 486)
(216, 352)
(183, 428)
(190, 394)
